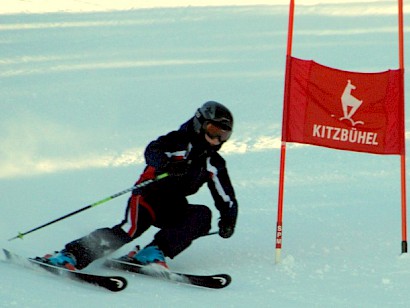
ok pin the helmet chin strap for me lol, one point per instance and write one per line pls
(212, 141)
(201, 143)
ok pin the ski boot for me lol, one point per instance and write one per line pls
(62, 259)
(150, 255)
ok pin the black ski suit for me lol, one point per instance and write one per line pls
(190, 162)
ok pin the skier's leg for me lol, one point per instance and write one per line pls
(97, 244)
(196, 222)
(104, 241)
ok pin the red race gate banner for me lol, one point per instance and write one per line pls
(344, 110)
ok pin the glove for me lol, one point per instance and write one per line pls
(177, 168)
(227, 222)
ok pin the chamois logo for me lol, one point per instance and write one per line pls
(350, 104)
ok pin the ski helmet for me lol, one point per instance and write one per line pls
(215, 113)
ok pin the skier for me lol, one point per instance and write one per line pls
(190, 158)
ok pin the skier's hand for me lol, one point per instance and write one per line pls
(227, 222)
(177, 168)
(225, 230)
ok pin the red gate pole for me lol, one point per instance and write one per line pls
(403, 155)
(279, 224)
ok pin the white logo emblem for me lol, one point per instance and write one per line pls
(350, 104)
(120, 283)
(222, 280)
(353, 135)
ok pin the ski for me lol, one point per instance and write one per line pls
(207, 281)
(112, 283)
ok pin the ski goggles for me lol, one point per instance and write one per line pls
(214, 131)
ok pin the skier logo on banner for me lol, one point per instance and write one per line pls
(350, 104)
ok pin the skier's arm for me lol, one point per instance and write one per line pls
(224, 196)
(166, 154)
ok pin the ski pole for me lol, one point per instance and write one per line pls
(140, 185)
(212, 233)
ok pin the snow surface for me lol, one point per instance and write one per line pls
(81, 95)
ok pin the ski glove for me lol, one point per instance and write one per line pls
(177, 168)
(227, 222)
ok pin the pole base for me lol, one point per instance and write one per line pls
(404, 247)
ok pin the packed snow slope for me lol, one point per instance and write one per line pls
(81, 95)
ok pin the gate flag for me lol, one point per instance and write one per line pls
(343, 110)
